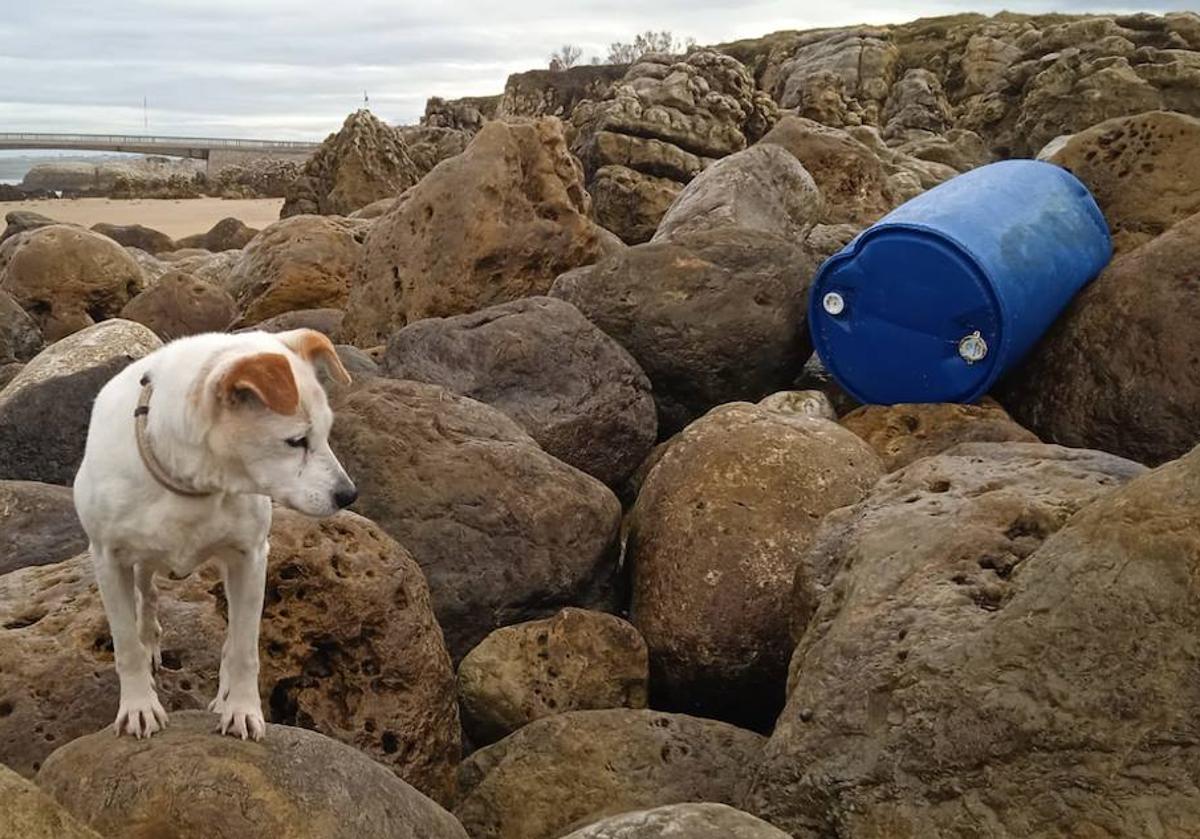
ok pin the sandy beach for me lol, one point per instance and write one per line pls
(175, 217)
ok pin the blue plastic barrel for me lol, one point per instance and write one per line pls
(938, 299)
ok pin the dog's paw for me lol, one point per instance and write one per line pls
(140, 716)
(241, 718)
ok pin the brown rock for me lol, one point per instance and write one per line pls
(693, 821)
(38, 525)
(575, 661)
(305, 262)
(504, 531)
(227, 234)
(1141, 171)
(20, 338)
(714, 540)
(713, 319)
(849, 175)
(31, 814)
(575, 390)
(761, 188)
(179, 305)
(21, 221)
(349, 647)
(900, 434)
(326, 321)
(1119, 371)
(570, 770)
(496, 223)
(950, 610)
(366, 160)
(188, 783)
(69, 278)
(631, 203)
(136, 236)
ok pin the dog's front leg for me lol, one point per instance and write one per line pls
(140, 713)
(237, 701)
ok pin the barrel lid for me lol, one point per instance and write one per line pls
(905, 314)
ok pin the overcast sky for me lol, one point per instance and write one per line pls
(292, 69)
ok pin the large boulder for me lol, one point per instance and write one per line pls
(1002, 604)
(188, 783)
(20, 338)
(849, 175)
(718, 317)
(684, 821)
(762, 188)
(215, 268)
(571, 387)
(46, 409)
(902, 433)
(68, 278)
(575, 661)
(667, 119)
(555, 93)
(179, 305)
(31, 814)
(1140, 169)
(136, 236)
(303, 262)
(1119, 370)
(38, 525)
(841, 77)
(349, 647)
(22, 221)
(326, 321)
(364, 161)
(504, 531)
(496, 223)
(714, 540)
(570, 770)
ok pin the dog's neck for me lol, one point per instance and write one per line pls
(173, 447)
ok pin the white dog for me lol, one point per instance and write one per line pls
(186, 449)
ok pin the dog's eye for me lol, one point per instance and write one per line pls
(297, 442)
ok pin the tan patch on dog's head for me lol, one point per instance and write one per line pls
(268, 377)
(315, 347)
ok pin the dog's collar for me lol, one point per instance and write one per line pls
(153, 464)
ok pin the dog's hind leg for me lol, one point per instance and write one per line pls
(140, 713)
(238, 701)
(149, 628)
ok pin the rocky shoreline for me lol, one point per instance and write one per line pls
(626, 563)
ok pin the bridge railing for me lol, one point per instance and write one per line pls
(152, 141)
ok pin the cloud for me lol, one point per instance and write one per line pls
(294, 68)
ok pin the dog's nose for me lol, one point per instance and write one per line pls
(345, 496)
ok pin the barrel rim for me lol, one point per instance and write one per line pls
(986, 281)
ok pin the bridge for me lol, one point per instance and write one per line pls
(200, 148)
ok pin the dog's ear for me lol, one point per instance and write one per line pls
(315, 347)
(266, 377)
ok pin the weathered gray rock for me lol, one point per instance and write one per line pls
(693, 821)
(576, 391)
(186, 782)
(762, 188)
(45, 410)
(807, 403)
(68, 278)
(349, 647)
(1118, 371)
(179, 305)
(943, 619)
(714, 540)
(503, 531)
(717, 318)
(846, 75)
(570, 770)
(38, 525)
(303, 262)
(20, 338)
(575, 661)
(496, 223)
(900, 434)
(31, 814)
